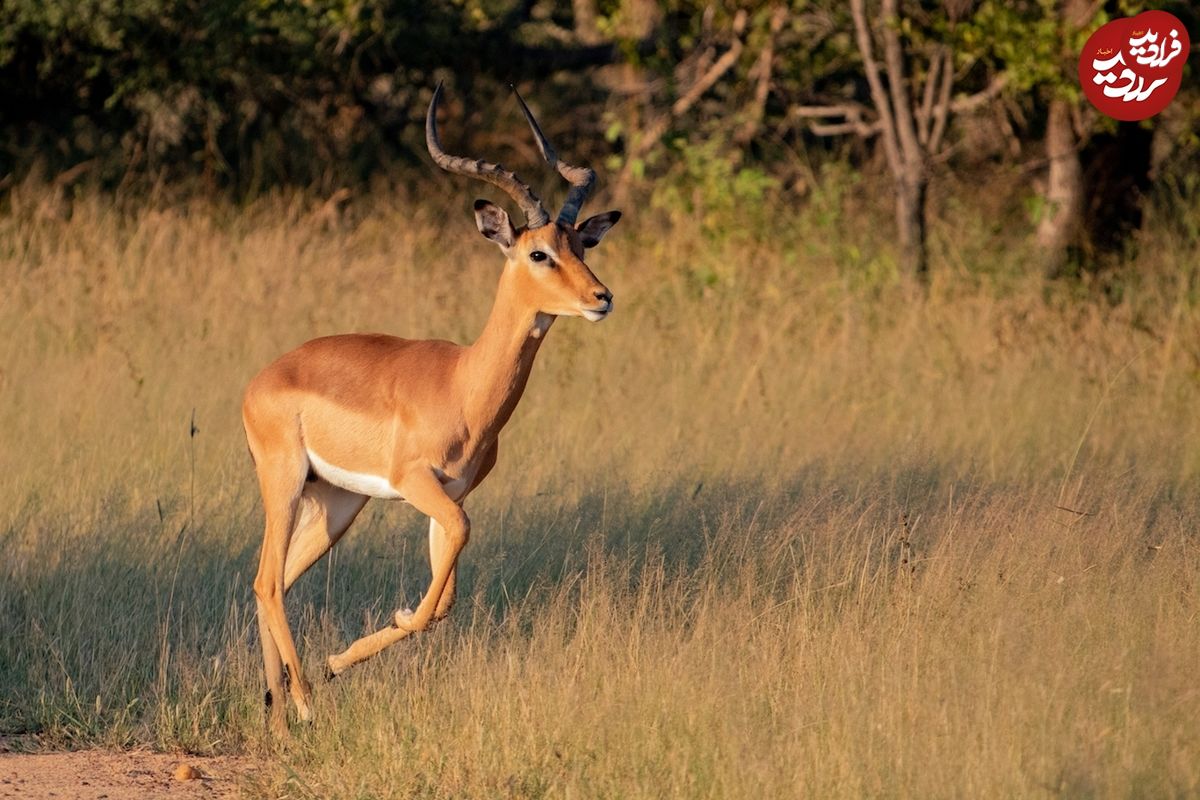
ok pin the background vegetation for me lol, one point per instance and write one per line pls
(835, 541)
(846, 534)
(173, 97)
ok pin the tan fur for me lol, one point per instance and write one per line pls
(422, 415)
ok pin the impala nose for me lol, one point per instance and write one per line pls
(604, 296)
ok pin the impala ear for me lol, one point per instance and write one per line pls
(494, 223)
(592, 229)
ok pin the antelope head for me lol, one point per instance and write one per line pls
(543, 259)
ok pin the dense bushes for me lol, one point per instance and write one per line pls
(709, 101)
(248, 92)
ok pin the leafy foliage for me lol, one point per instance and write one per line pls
(247, 90)
(700, 105)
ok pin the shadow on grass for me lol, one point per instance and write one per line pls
(131, 628)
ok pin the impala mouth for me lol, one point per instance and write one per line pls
(598, 313)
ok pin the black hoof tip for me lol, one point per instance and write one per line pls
(329, 674)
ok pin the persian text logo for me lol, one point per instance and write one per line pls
(1130, 69)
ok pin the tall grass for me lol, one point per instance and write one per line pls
(778, 528)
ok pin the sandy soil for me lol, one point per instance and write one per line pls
(105, 775)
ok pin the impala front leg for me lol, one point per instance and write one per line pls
(423, 490)
(439, 541)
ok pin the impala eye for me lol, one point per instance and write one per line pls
(537, 255)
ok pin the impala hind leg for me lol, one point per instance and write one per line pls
(426, 494)
(282, 481)
(326, 512)
(275, 698)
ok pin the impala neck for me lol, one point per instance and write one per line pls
(496, 367)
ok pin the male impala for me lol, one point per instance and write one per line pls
(345, 418)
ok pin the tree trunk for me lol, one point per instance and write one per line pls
(1093, 198)
(910, 224)
(1059, 227)
(908, 149)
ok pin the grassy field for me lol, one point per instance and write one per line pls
(780, 527)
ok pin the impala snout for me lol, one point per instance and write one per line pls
(602, 307)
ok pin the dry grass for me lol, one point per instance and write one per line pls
(775, 529)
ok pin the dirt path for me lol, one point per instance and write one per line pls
(106, 775)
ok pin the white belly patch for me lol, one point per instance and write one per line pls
(358, 482)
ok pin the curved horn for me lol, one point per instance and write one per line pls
(535, 214)
(580, 178)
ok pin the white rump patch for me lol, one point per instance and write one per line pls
(358, 482)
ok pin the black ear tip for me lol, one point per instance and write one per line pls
(616, 216)
(481, 204)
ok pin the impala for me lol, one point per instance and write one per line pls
(342, 419)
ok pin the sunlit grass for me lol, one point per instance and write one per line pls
(775, 529)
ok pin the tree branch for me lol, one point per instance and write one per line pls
(857, 127)
(763, 67)
(714, 73)
(901, 105)
(694, 92)
(926, 112)
(941, 111)
(836, 109)
(972, 102)
(878, 93)
(852, 119)
(653, 133)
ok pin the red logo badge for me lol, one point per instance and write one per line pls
(1131, 68)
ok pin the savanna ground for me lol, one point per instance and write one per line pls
(780, 527)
